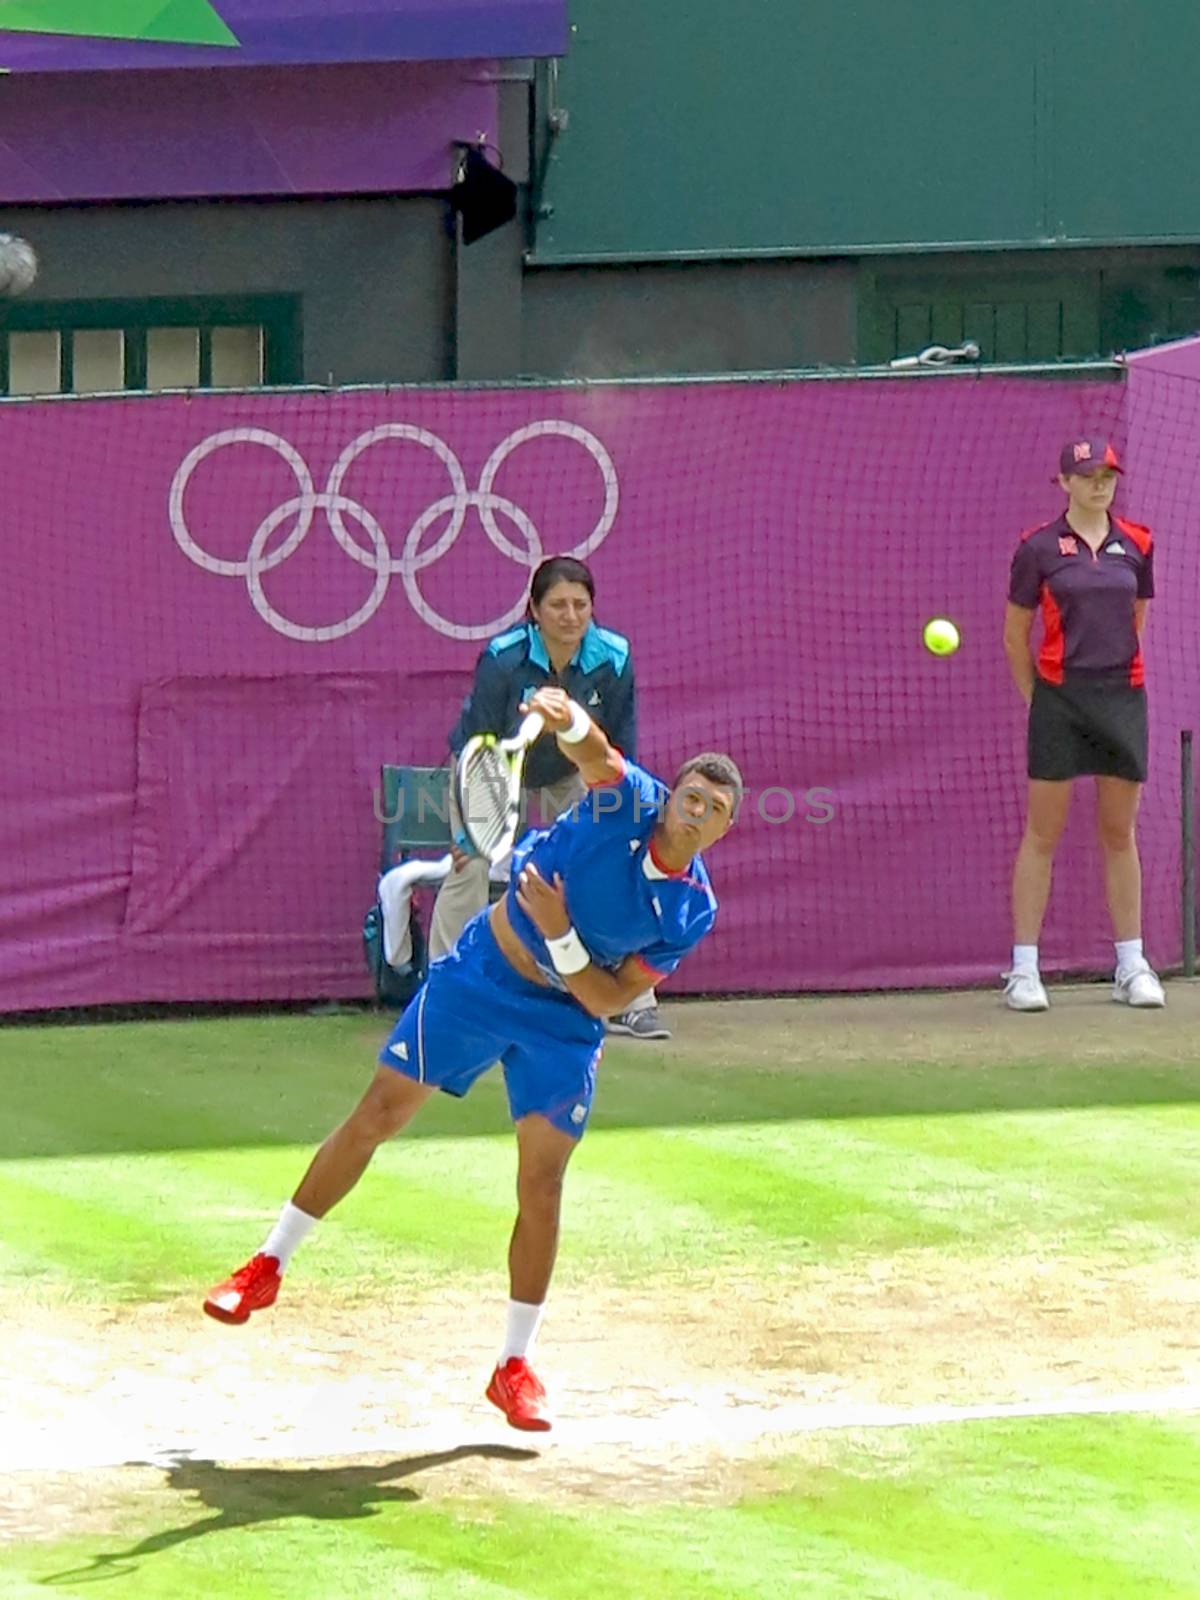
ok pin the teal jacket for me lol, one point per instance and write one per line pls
(514, 664)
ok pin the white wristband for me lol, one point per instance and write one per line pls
(568, 954)
(581, 725)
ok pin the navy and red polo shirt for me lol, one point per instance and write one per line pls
(1087, 600)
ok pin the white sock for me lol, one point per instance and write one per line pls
(293, 1227)
(1129, 954)
(523, 1323)
(1025, 958)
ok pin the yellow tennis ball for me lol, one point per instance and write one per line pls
(941, 637)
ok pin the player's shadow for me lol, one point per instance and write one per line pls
(252, 1497)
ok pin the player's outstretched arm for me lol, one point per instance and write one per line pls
(579, 738)
(604, 994)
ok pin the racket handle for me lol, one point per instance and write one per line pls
(527, 732)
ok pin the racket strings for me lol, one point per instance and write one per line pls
(486, 799)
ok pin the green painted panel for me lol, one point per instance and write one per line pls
(946, 323)
(838, 126)
(914, 328)
(1011, 332)
(1044, 326)
(700, 126)
(1127, 119)
(979, 323)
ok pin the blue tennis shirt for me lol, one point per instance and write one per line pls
(620, 899)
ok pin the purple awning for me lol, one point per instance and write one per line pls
(356, 129)
(106, 35)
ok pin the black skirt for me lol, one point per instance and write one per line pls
(1081, 730)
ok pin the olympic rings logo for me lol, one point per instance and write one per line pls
(376, 556)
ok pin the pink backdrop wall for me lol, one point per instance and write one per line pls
(198, 699)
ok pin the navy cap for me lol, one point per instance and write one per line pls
(1084, 456)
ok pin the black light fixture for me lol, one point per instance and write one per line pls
(482, 195)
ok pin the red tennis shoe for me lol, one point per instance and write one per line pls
(252, 1288)
(517, 1391)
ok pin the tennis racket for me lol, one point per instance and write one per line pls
(487, 787)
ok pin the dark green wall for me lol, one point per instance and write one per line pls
(847, 125)
(1028, 305)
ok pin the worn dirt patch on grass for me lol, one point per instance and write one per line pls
(317, 1409)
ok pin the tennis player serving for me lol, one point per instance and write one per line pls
(559, 645)
(601, 905)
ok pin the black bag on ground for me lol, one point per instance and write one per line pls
(394, 986)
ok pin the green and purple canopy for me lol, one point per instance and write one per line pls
(99, 35)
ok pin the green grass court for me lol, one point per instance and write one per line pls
(892, 1298)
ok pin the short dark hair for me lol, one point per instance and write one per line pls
(559, 569)
(719, 769)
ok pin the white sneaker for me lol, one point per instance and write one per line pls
(1139, 986)
(1025, 991)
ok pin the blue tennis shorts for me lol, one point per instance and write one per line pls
(475, 1009)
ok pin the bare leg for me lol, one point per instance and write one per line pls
(1117, 807)
(542, 1156)
(1049, 804)
(391, 1101)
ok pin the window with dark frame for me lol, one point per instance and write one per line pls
(105, 346)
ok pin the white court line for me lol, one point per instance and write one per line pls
(681, 1424)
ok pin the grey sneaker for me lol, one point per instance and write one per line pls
(644, 1024)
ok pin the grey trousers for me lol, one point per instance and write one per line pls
(465, 892)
